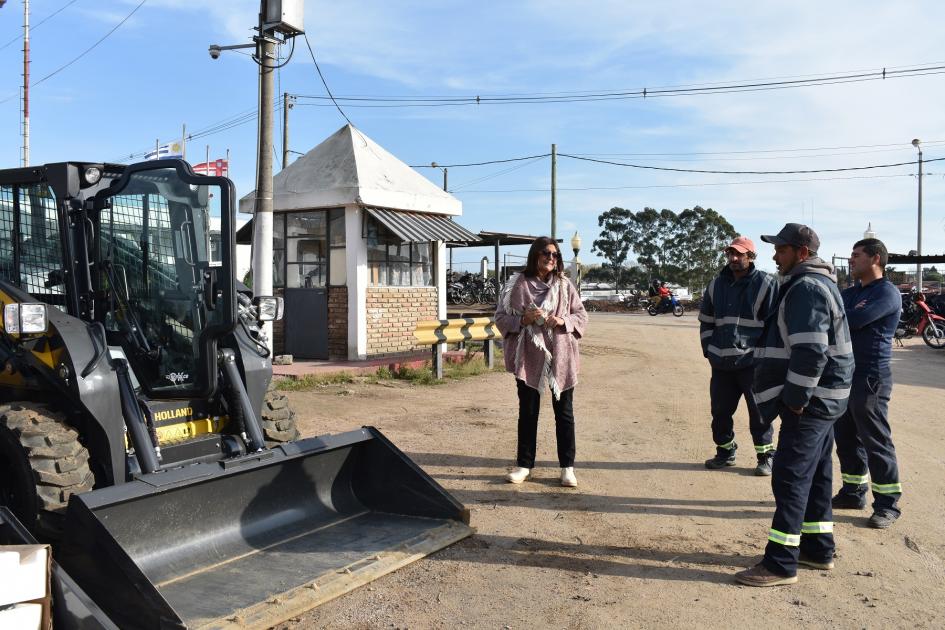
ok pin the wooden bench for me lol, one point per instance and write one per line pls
(438, 332)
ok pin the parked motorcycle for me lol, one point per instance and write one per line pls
(918, 319)
(669, 305)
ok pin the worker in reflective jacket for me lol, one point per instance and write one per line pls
(731, 320)
(803, 374)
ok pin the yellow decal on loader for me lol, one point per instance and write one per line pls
(186, 430)
(173, 414)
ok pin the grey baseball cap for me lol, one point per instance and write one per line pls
(794, 234)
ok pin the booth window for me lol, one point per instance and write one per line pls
(308, 249)
(394, 263)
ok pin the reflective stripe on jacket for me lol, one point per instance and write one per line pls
(731, 318)
(805, 358)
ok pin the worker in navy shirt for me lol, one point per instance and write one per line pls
(863, 436)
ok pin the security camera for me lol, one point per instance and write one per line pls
(215, 51)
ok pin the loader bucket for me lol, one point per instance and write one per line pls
(254, 541)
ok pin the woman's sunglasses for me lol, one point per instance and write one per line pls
(549, 254)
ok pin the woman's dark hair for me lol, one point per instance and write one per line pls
(531, 265)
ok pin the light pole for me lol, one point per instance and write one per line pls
(576, 247)
(442, 168)
(918, 266)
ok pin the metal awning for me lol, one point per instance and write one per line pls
(418, 227)
(913, 259)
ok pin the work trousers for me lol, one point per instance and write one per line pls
(529, 402)
(725, 389)
(801, 479)
(864, 443)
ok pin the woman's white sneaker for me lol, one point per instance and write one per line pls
(518, 475)
(568, 480)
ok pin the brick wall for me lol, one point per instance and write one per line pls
(338, 322)
(392, 315)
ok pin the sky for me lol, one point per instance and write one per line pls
(153, 75)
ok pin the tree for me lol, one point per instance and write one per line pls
(612, 244)
(686, 248)
(698, 244)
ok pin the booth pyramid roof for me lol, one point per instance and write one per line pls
(347, 168)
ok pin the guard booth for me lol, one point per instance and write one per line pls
(359, 250)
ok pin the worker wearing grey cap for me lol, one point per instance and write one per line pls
(803, 374)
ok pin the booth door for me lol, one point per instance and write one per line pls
(306, 323)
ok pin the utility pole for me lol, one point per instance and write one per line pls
(262, 218)
(554, 187)
(442, 168)
(285, 17)
(287, 103)
(26, 82)
(918, 266)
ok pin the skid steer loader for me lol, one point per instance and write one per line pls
(137, 430)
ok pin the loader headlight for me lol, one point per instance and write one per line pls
(24, 318)
(270, 309)
(91, 175)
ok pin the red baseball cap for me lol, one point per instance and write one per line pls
(743, 244)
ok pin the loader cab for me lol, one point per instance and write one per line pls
(156, 289)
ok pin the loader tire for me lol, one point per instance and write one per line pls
(42, 464)
(278, 419)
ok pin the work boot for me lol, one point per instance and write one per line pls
(765, 461)
(882, 519)
(723, 457)
(758, 575)
(568, 480)
(823, 565)
(518, 475)
(848, 501)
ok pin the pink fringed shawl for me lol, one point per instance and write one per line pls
(541, 357)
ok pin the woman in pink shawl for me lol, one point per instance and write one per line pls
(541, 318)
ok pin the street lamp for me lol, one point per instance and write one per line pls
(918, 266)
(576, 247)
(442, 168)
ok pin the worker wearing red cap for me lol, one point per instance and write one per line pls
(731, 321)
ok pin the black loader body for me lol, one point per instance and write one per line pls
(134, 384)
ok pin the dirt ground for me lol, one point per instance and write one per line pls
(650, 538)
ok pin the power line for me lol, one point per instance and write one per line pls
(518, 159)
(752, 155)
(638, 93)
(92, 47)
(322, 77)
(41, 22)
(686, 85)
(699, 185)
(745, 151)
(497, 174)
(717, 172)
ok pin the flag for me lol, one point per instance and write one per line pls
(215, 168)
(169, 150)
